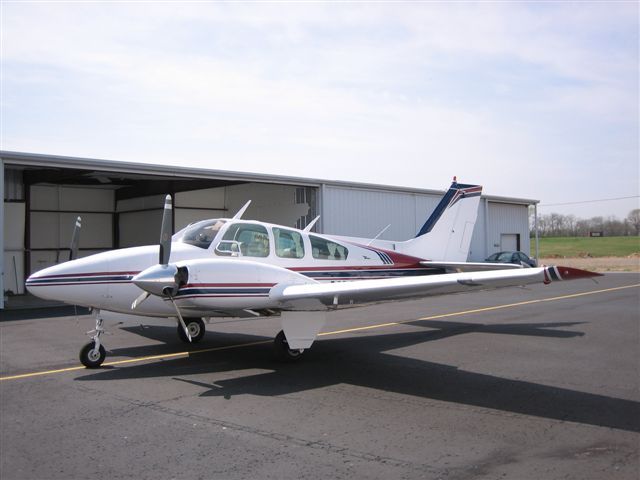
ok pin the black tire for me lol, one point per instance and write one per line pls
(282, 351)
(91, 358)
(196, 330)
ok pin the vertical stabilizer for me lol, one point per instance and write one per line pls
(446, 235)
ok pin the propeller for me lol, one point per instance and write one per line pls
(75, 239)
(165, 231)
(163, 279)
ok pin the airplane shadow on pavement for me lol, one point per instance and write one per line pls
(362, 361)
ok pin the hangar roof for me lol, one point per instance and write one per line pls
(132, 179)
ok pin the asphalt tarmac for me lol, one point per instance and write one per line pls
(536, 383)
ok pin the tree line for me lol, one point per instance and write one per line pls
(558, 225)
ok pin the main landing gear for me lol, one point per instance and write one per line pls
(282, 351)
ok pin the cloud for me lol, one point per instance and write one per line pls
(388, 93)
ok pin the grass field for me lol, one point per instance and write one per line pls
(551, 247)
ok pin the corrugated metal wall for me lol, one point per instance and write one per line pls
(507, 218)
(364, 212)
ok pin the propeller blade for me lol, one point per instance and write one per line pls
(184, 326)
(143, 296)
(75, 239)
(165, 232)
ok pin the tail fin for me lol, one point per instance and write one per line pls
(446, 235)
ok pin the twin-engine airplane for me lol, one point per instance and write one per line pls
(232, 268)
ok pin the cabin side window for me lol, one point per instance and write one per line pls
(288, 243)
(323, 249)
(253, 240)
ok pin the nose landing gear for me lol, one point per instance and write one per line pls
(93, 353)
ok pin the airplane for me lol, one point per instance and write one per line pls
(229, 267)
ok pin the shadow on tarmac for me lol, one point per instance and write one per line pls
(362, 361)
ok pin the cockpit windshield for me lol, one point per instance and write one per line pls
(200, 234)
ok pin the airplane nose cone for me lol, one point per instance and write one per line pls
(67, 282)
(159, 280)
(37, 282)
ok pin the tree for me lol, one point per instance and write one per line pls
(613, 227)
(633, 220)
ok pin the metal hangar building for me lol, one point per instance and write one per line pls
(121, 206)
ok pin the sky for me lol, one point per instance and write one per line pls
(535, 100)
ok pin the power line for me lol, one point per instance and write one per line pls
(587, 201)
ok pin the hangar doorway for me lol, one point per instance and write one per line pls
(121, 209)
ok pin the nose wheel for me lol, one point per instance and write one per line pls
(93, 353)
(196, 329)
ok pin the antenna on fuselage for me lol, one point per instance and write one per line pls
(310, 226)
(238, 215)
(376, 237)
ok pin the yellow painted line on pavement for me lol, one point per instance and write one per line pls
(479, 310)
(166, 356)
(162, 356)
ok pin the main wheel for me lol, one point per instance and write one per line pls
(196, 330)
(282, 351)
(91, 357)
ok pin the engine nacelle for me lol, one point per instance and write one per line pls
(232, 284)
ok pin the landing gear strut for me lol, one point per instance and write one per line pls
(282, 351)
(93, 353)
(196, 330)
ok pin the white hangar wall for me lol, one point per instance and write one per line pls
(507, 227)
(358, 212)
(364, 212)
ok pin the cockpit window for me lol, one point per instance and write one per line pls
(252, 239)
(200, 234)
(327, 250)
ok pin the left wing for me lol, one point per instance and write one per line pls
(326, 296)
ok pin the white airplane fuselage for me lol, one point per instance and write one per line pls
(103, 281)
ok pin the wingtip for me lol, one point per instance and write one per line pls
(570, 273)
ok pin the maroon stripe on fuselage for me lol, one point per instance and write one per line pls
(93, 274)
